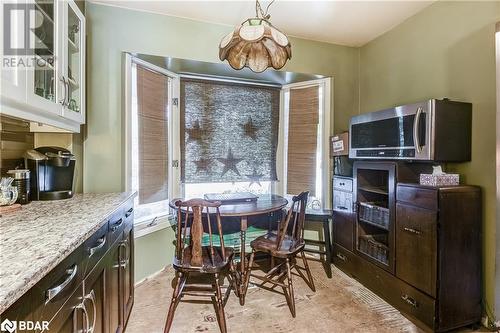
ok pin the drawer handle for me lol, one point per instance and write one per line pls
(91, 296)
(409, 300)
(412, 231)
(341, 257)
(100, 244)
(116, 225)
(82, 307)
(129, 212)
(51, 293)
(124, 262)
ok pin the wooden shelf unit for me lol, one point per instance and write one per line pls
(433, 273)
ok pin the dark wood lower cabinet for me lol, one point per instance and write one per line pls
(416, 247)
(91, 290)
(120, 271)
(127, 271)
(437, 280)
(72, 317)
(114, 290)
(94, 292)
(343, 229)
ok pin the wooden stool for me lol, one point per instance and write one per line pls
(321, 216)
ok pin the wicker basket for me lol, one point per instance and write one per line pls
(372, 245)
(372, 213)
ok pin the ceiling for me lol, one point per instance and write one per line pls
(351, 23)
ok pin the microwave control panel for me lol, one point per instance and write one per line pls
(395, 153)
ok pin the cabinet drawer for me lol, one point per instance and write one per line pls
(115, 226)
(95, 247)
(55, 288)
(343, 184)
(410, 301)
(415, 304)
(417, 196)
(416, 235)
(344, 259)
(129, 218)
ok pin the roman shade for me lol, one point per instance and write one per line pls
(303, 120)
(229, 131)
(152, 110)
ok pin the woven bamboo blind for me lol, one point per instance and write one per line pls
(152, 103)
(302, 140)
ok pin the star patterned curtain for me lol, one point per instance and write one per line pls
(229, 132)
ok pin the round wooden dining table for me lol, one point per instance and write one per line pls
(265, 204)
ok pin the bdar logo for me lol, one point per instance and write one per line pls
(9, 326)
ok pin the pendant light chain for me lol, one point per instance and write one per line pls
(259, 13)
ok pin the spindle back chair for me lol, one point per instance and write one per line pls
(192, 257)
(286, 244)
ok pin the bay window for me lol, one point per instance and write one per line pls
(187, 136)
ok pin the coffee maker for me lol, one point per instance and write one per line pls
(52, 171)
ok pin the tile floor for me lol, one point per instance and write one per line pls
(340, 304)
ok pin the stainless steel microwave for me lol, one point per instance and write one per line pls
(434, 130)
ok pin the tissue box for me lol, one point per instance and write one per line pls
(445, 179)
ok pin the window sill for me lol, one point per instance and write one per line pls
(149, 226)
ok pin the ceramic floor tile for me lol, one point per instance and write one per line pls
(339, 305)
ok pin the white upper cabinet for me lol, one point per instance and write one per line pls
(13, 76)
(73, 70)
(49, 88)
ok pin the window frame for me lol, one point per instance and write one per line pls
(326, 109)
(161, 220)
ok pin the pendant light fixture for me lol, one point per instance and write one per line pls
(256, 44)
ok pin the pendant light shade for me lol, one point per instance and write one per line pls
(256, 44)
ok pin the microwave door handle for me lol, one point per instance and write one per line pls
(416, 126)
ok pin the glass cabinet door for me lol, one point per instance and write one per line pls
(43, 90)
(12, 75)
(74, 63)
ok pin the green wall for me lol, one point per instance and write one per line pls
(446, 50)
(113, 30)
(153, 252)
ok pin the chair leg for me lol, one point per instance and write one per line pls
(328, 248)
(247, 278)
(216, 306)
(220, 306)
(235, 279)
(176, 297)
(310, 283)
(290, 298)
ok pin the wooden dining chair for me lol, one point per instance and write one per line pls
(284, 245)
(212, 262)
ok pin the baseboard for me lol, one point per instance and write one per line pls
(151, 276)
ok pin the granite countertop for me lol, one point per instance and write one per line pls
(37, 238)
